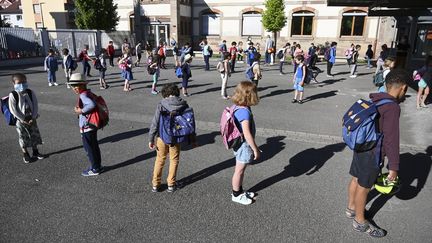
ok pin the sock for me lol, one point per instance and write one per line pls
(237, 193)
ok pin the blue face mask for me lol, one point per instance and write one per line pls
(20, 87)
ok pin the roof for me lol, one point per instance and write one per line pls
(389, 7)
(14, 8)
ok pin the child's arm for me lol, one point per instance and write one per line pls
(35, 110)
(14, 109)
(250, 139)
(88, 105)
(304, 75)
(154, 127)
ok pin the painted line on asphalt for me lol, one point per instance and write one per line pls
(213, 126)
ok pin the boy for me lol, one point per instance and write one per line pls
(366, 166)
(51, 67)
(354, 58)
(111, 52)
(186, 74)
(332, 59)
(102, 70)
(171, 102)
(67, 65)
(84, 58)
(233, 52)
(138, 51)
(369, 56)
(299, 78)
(256, 69)
(85, 106)
(25, 109)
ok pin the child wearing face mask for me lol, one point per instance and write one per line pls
(24, 106)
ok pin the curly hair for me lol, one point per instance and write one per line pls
(245, 94)
(170, 89)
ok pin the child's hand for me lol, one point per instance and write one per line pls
(302, 83)
(77, 110)
(257, 154)
(152, 146)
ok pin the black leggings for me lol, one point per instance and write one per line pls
(329, 67)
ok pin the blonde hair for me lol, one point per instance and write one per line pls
(245, 94)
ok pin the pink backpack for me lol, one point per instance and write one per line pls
(231, 135)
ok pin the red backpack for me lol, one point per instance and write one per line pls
(231, 135)
(99, 117)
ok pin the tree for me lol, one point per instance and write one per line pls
(96, 14)
(273, 18)
(3, 23)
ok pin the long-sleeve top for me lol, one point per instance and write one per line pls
(332, 55)
(269, 44)
(67, 62)
(51, 64)
(110, 50)
(87, 105)
(25, 107)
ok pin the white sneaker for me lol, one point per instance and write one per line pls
(242, 199)
(55, 84)
(353, 76)
(250, 195)
(50, 84)
(68, 86)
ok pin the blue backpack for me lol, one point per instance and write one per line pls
(10, 118)
(360, 128)
(176, 126)
(179, 72)
(249, 72)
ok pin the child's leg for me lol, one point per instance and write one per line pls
(301, 95)
(419, 96)
(360, 197)
(352, 188)
(174, 154)
(295, 94)
(161, 152)
(155, 80)
(425, 95)
(237, 179)
(224, 78)
(91, 146)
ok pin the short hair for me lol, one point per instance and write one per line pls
(65, 51)
(170, 89)
(369, 46)
(51, 51)
(397, 78)
(187, 44)
(226, 55)
(257, 57)
(103, 50)
(233, 43)
(245, 94)
(298, 46)
(224, 41)
(384, 47)
(205, 41)
(18, 76)
(86, 46)
(388, 61)
(110, 41)
(288, 44)
(299, 58)
(358, 46)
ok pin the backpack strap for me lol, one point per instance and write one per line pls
(16, 96)
(383, 102)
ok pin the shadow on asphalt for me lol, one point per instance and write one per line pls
(413, 169)
(321, 96)
(267, 87)
(306, 162)
(272, 147)
(330, 81)
(202, 140)
(277, 92)
(210, 90)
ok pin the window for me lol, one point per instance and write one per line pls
(19, 17)
(302, 23)
(36, 9)
(6, 17)
(251, 24)
(353, 23)
(39, 25)
(210, 24)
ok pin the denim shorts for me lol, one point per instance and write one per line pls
(297, 85)
(244, 154)
(422, 84)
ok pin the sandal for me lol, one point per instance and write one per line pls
(369, 229)
(350, 213)
(293, 101)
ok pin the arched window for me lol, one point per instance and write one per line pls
(302, 22)
(251, 24)
(210, 24)
(353, 23)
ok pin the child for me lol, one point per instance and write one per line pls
(240, 52)
(365, 166)
(84, 107)
(25, 109)
(67, 65)
(299, 78)
(187, 74)
(138, 51)
(424, 83)
(285, 50)
(102, 69)
(84, 58)
(51, 67)
(245, 96)
(349, 54)
(111, 51)
(256, 68)
(225, 72)
(125, 65)
(154, 65)
(389, 64)
(331, 59)
(354, 58)
(369, 56)
(171, 102)
(233, 54)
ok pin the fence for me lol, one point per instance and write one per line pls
(18, 43)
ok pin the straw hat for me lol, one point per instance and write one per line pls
(187, 57)
(77, 78)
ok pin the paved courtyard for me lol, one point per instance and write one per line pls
(301, 180)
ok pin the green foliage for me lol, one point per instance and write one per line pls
(3, 23)
(273, 17)
(96, 14)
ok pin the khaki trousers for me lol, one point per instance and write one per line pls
(161, 154)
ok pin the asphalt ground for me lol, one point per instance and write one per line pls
(301, 180)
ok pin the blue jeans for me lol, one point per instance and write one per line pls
(91, 146)
(267, 57)
(206, 60)
(369, 62)
(52, 76)
(86, 68)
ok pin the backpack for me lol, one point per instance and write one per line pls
(249, 73)
(81, 57)
(10, 118)
(151, 70)
(360, 129)
(327, 54)
(280, 54)
(221, 67)
(210, 51)
(378, 79)
(231, 135)
(73, 65)
(161, 52)
(176, 126)
(99, 117)
(179, 72)
(97, 64)
(252, 54)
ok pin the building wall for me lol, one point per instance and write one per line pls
(124, 10)
(53, 12)
(16, 20)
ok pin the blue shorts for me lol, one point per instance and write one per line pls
(422, 84)
(244, 154)
(297, 85)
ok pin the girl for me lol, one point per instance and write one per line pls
(102, 70)
(154, 65)
(299, 78)
(245, 96)
(286, 51)
(369, 56)
(125, 65)
(389, 64)
(425, 74)
(186, 74)
(298, 51)
(225, 72)
(382, 56)
(67, 65)
(240, 51)
(353, 61)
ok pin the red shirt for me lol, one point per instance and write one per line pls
(110, 50)
(233, 52)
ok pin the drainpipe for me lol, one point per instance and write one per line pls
(376, 35)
